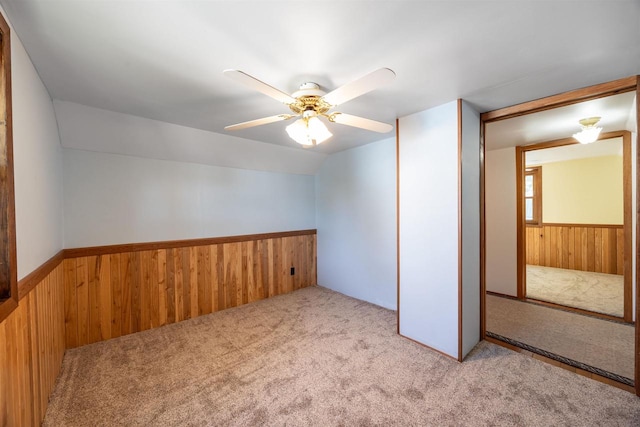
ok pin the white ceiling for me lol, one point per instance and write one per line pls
(602, 148)
(164, 60)
(617, 112)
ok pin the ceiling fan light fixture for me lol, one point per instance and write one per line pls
(308, 131)
(589, 132)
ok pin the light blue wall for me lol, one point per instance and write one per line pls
(113, 199)
(429, 227)
(37, 161)
(356, 222)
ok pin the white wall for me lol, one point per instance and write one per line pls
(429, 227)
(470, 228)
(112, 199)
(356, 221)
(37, 165)
(501, 226)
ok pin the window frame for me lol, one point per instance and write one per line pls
(536, 173)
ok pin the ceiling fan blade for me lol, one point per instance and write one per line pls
(259, 122)
(258, 85)
(360, 86)
(360, 122)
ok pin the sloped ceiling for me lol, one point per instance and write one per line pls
(164, 60)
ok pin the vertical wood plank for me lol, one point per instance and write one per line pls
(186, 282)
(612, 252)
(548, 245)
(117, 295)
(204, 303)
(257, 270)
(33, 350)
(577, 248)
(553, 253)
(93, 272)
(136, 293)
(620, 251)
(70, 303)
(180, 315)
(571, 248)
(247, 294)
(605, 251)
(126, 273)
(591, 249)
(584, 248)
(216, 276)
(171, 286)
(82, 290)
(106, 297)
(222, 283)
(206, 274)
(266, 269)
(232, 275)
(193, 281)
(162, 287)
(144, 258)
(154, 291)
(598, 250)
(277, 266)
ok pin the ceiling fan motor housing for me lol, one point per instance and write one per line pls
(309, 97)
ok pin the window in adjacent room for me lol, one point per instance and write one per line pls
(533, 195)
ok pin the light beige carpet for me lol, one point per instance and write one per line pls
(596, 342)
(316, 358)
(599, 292)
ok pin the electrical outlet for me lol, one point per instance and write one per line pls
(293, 271)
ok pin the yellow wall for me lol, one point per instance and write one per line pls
(583, 191)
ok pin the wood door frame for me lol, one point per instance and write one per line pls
(627, 213)
(627, 84)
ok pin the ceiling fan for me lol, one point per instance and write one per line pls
(310, 103)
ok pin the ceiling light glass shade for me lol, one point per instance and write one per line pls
(589, 132)
(308, 131)
(588, 135)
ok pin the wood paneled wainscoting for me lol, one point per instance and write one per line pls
(32, 345)
(117, 290)
(585, 247)
(85, 295)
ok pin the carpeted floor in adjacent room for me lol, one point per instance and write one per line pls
(316, 357)
(599, 292)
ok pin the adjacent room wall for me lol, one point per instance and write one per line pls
(37, 165)
(113, 199)
(583, 191)
(500, 211)
(356, 222)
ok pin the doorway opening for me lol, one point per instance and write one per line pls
(504, 289)
(575, 224)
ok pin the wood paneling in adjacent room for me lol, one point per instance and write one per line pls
(584, 247)
(32, 344)
(112, 294)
